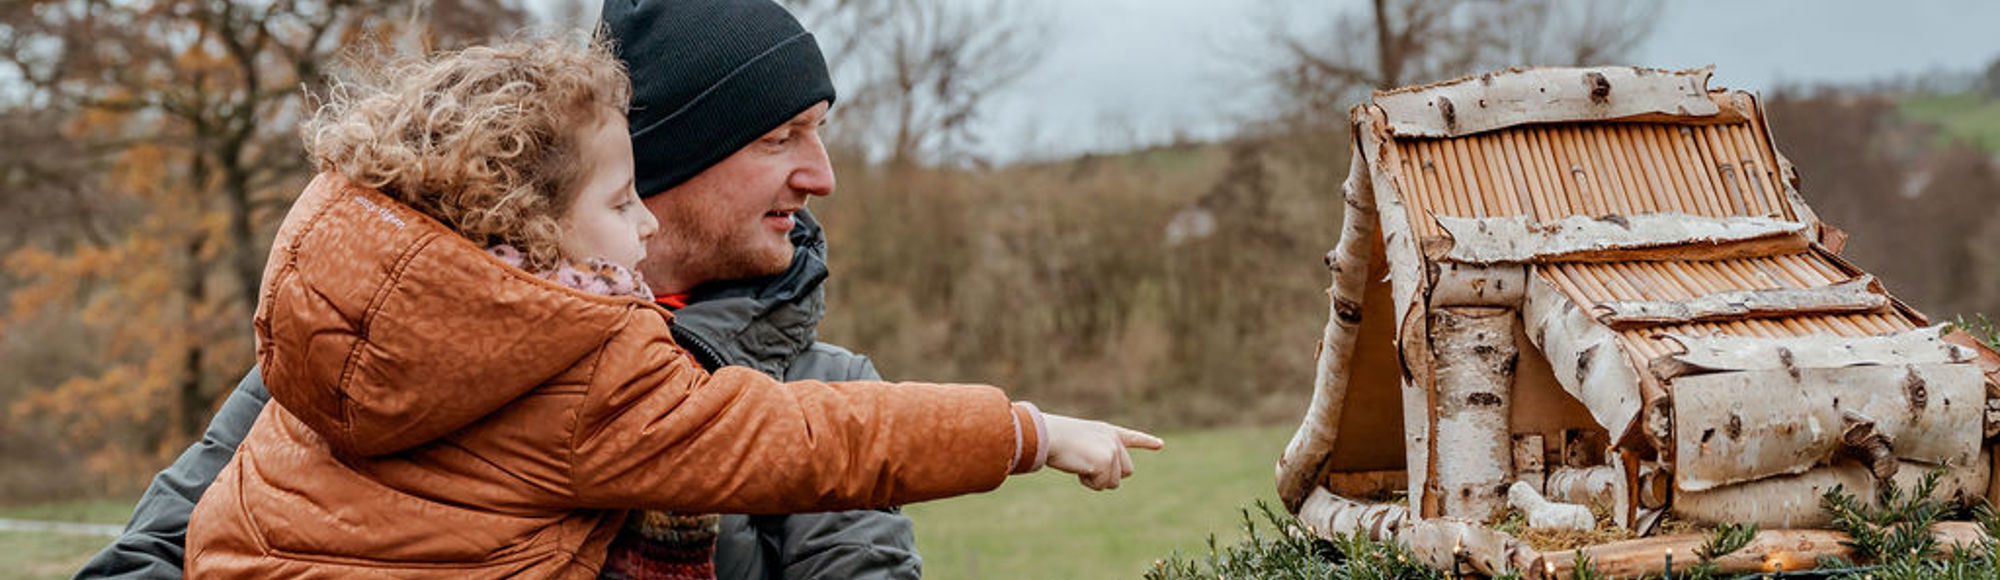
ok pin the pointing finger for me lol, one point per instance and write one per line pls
(1139, 439)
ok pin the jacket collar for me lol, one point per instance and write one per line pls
(762, 323)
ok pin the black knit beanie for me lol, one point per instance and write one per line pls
(708, 77)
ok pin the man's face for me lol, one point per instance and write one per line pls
(734, 220)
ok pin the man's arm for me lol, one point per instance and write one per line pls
(153, 543)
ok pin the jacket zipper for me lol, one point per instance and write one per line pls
(706, 355)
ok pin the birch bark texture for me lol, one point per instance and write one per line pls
(1475, 360)
(1305, 457)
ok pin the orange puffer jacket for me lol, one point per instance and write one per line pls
(443, 415)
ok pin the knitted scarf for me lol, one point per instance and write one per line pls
(653, 545)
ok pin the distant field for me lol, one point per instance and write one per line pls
(1046, 526)
(40, 556)
(1042, 526)
(1968, 117)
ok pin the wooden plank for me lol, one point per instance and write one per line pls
(1545, 95)
(1658, 236)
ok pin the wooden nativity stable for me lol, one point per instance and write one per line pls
(1563, 287)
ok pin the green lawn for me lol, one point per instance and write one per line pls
(39, 556)
(103, 511)
(1042, 526)
(1967, 116)
(1047, 526)
(35, 556)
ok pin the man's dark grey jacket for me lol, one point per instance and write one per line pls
(769, 324)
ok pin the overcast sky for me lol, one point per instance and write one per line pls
(1126, 72)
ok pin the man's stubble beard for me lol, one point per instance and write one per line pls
(695, 255)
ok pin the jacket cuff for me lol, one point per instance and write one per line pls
(1031, 436)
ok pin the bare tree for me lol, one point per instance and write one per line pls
(167, 129)
(1319, 72)
(918, 73)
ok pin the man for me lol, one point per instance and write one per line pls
(728, 97)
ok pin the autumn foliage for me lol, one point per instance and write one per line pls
(128, 293)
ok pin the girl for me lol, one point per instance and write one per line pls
(472, 382)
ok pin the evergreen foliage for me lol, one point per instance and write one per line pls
(1891, 541)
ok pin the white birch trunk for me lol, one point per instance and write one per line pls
(1741, 426)
(1476, 356)
(1586, 357)
(1330, 516)
(1434, 542)
(1408, 285)
(1471, 285)
(1743, 353)
(1311, 446)
(1793, 500)
(1599, 485)
(1545, 95)
(1656, 236)
(1853, 296)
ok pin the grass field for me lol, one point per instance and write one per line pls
(1042, 526)
(39, 556)
(1968, 117)
(1047, 526)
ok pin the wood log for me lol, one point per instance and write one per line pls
(1435, 542)
(1740, 426)
(1331, 516)
(1530, 459)
(1519, 96)
(1543, 514)
(1475, 361)
(1793, 500)
(1866, 439)
(1409, 286)
(1655, 487)
(1614, 238)
(1455, 284)
(1438, 542)
(1600, 485)
(1587, 358)
(1741, 353)
(1770, 551)
(1853, 296)
(1306, 456)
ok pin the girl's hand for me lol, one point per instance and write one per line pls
(1094, 450)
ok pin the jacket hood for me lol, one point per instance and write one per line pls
(763, 323)
(382, 329)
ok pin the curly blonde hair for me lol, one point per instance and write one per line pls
(483, 139)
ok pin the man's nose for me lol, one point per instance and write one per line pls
(814, 174)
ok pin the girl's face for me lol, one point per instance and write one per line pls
(607, 220)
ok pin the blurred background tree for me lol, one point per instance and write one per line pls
(147, 148)
(152, 146)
